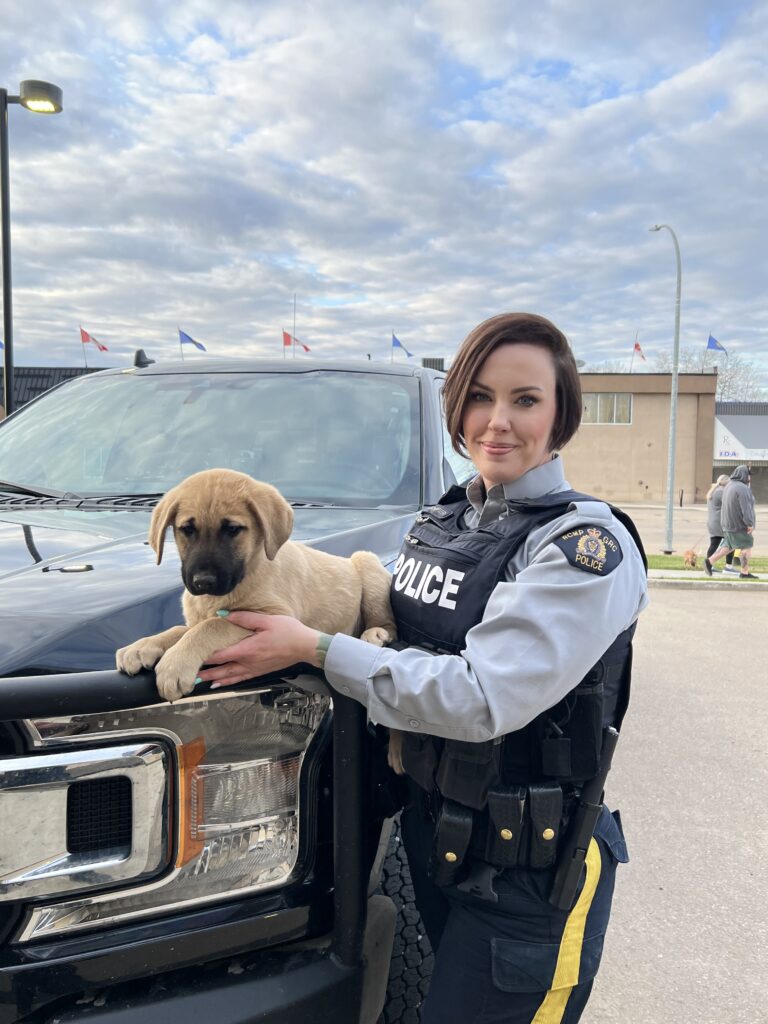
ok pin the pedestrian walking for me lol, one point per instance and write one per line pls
(714, 523)
(738, 522)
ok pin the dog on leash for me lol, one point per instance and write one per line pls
(232, 534)
(689, 559)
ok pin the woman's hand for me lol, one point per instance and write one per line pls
(276, 641)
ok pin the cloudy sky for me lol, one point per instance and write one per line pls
(413, 167)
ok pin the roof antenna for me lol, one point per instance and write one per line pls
(141, 359)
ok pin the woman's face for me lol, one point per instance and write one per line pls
(510, 412)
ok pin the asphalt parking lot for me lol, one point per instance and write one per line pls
(688, 940)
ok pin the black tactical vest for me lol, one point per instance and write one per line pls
(443, 579)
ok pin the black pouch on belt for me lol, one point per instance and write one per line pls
(545, 809)
(505, 826)
(467, 770)
(452, 835)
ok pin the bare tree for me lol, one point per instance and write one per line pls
(738, 379)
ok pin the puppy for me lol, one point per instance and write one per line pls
(689, 559)
(232, 534)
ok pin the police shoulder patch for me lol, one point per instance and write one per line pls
(591, 549)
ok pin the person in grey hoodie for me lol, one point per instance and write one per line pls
(738, 521)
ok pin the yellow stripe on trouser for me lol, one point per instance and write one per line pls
(569, 957)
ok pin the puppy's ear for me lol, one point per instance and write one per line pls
(273, 516)
(164, 513)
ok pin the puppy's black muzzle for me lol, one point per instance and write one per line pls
(217, 575)
(205, 583)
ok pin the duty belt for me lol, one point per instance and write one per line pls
(521, 827)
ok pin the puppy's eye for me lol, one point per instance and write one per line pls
(231, 529)
(188, 529)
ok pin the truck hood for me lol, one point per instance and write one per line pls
(77, 584)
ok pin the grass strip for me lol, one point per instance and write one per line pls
(756, 565)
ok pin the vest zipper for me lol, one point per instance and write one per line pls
(445, 552)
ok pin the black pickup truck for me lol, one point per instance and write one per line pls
(220, 857)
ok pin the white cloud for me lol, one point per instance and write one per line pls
(409, 167)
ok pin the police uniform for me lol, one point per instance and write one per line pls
(498, 707)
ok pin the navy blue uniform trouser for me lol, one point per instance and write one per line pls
(519, 960)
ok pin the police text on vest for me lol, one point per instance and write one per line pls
(426, 582)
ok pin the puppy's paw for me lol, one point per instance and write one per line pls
(142, 654)
(174, 678)
(395, 752)
(377, 635)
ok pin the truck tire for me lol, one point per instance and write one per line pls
(412, 958)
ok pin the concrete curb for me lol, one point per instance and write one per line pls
(660, 581)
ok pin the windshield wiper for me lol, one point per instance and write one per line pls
(33, 492)
(122, 496)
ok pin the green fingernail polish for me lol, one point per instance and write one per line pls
(222, 612)
(198, 680)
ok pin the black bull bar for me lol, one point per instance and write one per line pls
(82, 693)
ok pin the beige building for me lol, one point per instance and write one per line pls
(620, 452)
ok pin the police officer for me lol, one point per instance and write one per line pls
(516, 601)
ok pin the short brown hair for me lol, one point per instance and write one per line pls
(514, 329)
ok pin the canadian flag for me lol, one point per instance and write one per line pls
(288, 340)
(639, 350)
(85, 337)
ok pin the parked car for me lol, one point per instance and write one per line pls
(157, 860)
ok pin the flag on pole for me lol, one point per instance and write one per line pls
(85, 337)
(185, 339)
(714, 343)
(639, 350)
(396, 343)
(288, 340)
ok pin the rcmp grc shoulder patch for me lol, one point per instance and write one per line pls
(591, 549)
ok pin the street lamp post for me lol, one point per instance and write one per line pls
(673, 394)
(40, 98)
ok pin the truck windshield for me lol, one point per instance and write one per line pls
(325, 436)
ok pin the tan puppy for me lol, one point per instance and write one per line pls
(232, 535)
(689, 559)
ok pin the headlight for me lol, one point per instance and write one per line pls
(236, 771)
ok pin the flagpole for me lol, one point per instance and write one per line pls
(392, 347)
(294, 326)
(673, 391)
(82, 344)
(634, 349)
(181, 347)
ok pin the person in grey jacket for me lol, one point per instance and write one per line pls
(737, 517)
(714, 524)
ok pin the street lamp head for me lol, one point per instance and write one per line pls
(656, 227)
(41, 97)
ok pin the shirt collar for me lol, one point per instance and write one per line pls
(540, 480)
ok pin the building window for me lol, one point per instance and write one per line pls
(607, 407)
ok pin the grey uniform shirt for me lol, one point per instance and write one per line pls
(543, 628)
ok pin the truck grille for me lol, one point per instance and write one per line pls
(99, 814)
